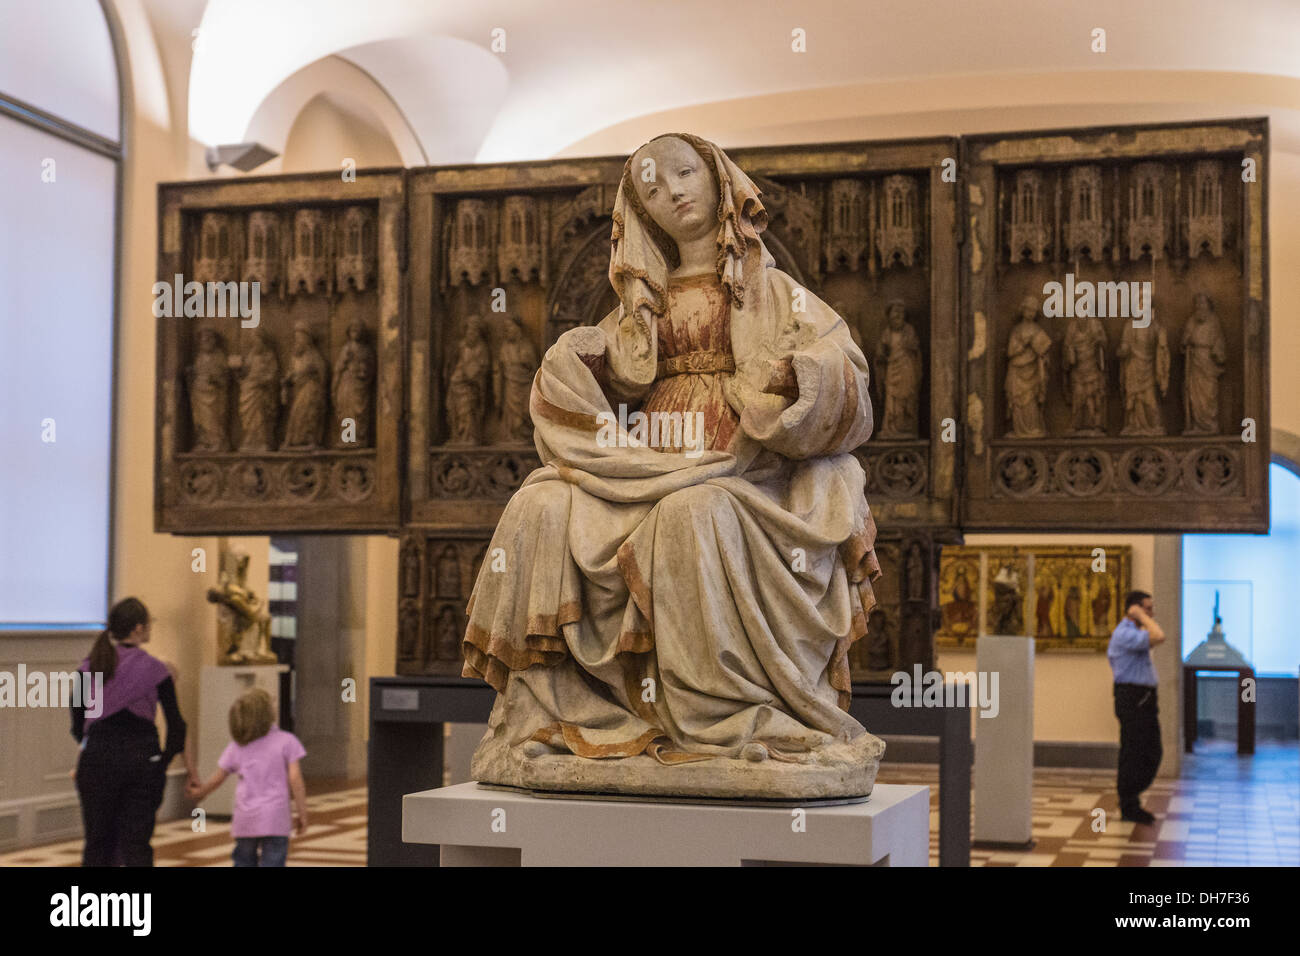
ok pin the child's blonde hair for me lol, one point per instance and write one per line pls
(251, 716)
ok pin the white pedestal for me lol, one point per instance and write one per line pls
(1004, 745)
(477, 826)
(219, 687)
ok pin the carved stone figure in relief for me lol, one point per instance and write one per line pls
(448, 635)
(354, 388)
(1205, 353)
(208, 380)
(259, 395)
(516, 366)
(654, 627)
(303, 391)
(1143, 371)
(448, 584)
(1083, 362)
(899, 362)
(915, 573)
(1026, 381)
(467, 386)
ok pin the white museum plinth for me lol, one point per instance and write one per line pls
(479, 826)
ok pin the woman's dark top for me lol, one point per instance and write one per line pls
(140, 683)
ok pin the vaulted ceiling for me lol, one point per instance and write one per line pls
(565, 73)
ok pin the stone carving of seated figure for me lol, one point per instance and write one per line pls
(667, 604)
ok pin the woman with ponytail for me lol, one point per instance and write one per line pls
(122, 769)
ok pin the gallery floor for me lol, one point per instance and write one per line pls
(1224, 811)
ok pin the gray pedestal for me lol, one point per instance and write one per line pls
(477, 826)
(1004, 744)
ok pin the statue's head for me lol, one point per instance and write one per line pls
(680, 188)
(677, 187)
(356, 331)
(514, 330)
(896, 313)
(234, 568)
(301, 337)
(1029, 308)
(1204, 305)
(473, 328)
(208, 340)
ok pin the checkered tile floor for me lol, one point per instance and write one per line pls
(1225, 810)
(336, 836)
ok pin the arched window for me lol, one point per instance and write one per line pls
(60, 159)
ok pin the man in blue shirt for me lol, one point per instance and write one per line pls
(1135, 703)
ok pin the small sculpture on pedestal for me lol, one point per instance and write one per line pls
(244, 625)
(1215, 651)
(259, 397)
(303, 391)
(1143, 368)
(1026, 381)
(353, 388)
(1083, 361)
(516, 366)
(467, 386)
(209, 386)
(899, 359)
(1205, 353)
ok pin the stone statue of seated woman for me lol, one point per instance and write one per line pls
(667, 604)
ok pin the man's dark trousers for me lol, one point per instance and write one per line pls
(1139, 742)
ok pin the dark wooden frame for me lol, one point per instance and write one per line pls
(982, 509)
(381, 512)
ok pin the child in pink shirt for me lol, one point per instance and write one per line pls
(266, 761)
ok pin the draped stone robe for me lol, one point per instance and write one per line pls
(640, 600)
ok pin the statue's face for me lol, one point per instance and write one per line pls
(682, 198)
(301, 340)
(207, 340)
(896, 316)
(1029, 309)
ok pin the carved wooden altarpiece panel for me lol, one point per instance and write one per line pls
(289, 420)
(1089, 421)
